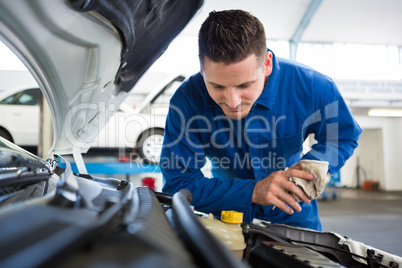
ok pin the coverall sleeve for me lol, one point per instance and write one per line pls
(182, 158)
(334, 127)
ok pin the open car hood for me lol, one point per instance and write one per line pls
(87, 55)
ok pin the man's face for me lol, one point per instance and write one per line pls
(235, 87)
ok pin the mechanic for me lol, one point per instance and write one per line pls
(249, 112)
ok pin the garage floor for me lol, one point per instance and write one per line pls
(371, 217)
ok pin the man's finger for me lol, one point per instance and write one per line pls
(292, 172)
(297, 167)
(288, 199)
(299, 192)
(293, 188)
(278, 204)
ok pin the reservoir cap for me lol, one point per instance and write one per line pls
(231, 216)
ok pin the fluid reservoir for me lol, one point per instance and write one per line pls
(227, 230)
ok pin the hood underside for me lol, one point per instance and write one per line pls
(87, 55)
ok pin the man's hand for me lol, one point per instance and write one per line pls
(273, 190)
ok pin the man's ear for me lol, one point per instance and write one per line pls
(268, 63)
(201, 70)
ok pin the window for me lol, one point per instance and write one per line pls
(9, 100)
(29, 97)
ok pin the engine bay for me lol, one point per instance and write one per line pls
(70, 220)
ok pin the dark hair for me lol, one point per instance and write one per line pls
(231, 36)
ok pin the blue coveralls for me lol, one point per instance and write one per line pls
(296, 101)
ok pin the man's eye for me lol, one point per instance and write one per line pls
(218, 87)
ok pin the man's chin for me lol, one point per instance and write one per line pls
(236, 115)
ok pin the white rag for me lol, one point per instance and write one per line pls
(312, 188)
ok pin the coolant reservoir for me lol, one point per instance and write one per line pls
(227, 230)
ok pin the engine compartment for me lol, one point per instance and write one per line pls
(79, 220)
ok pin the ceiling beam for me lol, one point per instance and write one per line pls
(294, 41)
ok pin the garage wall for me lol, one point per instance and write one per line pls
(379, 153)
(393, 153)
(370, 156)
(13, 78)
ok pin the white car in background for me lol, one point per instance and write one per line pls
(140, 128)
(19, 115)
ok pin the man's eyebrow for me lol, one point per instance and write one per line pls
(239, 85)
(246, 83)
(215, 84)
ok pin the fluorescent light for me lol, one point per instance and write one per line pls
(385, 112)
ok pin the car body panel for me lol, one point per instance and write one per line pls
(50, 37)
(36, 32)
(123, 129)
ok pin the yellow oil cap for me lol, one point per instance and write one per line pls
(231, 216)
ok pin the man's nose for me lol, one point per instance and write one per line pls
(233, 98)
